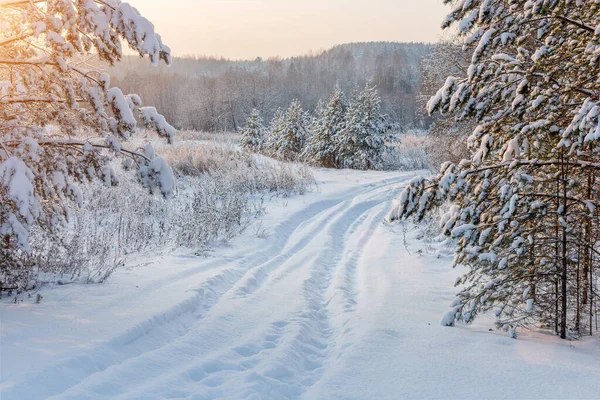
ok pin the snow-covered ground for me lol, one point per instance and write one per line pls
(319, 300)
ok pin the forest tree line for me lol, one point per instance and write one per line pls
(210, 94)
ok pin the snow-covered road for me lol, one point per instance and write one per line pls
(319, 301)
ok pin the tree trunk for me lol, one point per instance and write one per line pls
(565, 263)
(578, 290)
(591, 296)
(587, 249)
(557, 254)
(563, 311)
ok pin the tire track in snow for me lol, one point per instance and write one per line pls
(301, 361)
(273, 380)
(258, 277)
(113, 369)
(255, 278)
(332, 280)
(286, 358)
(52, 380)
(343, 292)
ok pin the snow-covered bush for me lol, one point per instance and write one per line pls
(220, 137)
(410, 152)
(446, 142)
(243, 169)
(216, 198)
(194, 160)
(44, 81)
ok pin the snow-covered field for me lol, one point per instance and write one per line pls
(319, 300)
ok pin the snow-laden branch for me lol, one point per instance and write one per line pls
(77, 143)
(35, 99)
(48, 88)
(16, 38)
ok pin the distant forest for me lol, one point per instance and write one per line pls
(211, 94)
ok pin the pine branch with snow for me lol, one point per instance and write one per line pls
(60, 122)
(525, 214)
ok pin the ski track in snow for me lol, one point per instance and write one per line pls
(302, 315)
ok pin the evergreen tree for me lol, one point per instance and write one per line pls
(525, 213)
(446, 137)
(276, 125)
(59, 121)
(322, 147)
(253, 133)
(366, 132)
(289, 132)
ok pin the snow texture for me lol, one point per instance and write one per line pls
(329, 304)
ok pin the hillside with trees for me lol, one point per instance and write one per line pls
(209, 94)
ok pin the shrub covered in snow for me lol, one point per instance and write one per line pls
(217, 193)
(410, 152)
(244, 170)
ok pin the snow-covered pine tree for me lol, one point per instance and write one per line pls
(60, 120)
(253, 139)
(366, 132)
(526, 203)
(322, 148)
(289, 132)
(447, 137)
(276, 125)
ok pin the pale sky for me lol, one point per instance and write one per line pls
(245, 29)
